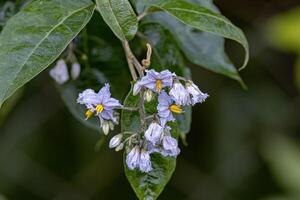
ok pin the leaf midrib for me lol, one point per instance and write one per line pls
(116, 19)
(39, 43)
(203, 13)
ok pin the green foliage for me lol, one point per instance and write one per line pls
(35, 37)
(120, 17)
(167, 55)
(147, 185)
(197, 46)
(200, 18)
(195, 30)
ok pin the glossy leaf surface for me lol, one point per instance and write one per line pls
(35, 37)
(119, 16)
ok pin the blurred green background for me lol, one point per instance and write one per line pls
(244, 145)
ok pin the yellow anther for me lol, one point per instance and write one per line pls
(88, 114)
(99, 108)
(158, 85)
(175, 109)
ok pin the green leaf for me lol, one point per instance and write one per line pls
(147, 186)
(120, 17)
(166, 55)
(191, 41)
(35, 37)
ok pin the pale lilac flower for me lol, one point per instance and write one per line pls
(154, 81)
(166, 107)
(153, 133)
(197, 95)
(139, 159)
(145, 162)
(170, 146)
(180, 94)
(133, 158)
(101, 103)
(60, 72)
(115, 141)
(75, 70)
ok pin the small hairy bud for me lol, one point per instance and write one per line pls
(75, 70)
(115, 141)
(111, 125)
(148, 95)
(120, 147)
(105, 127)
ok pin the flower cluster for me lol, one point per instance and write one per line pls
(172, 95)
(155, 135)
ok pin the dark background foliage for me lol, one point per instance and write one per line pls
(241, 144)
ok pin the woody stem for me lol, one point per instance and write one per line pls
(134, 65)
(129, 60)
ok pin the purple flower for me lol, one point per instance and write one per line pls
(194, 91)
(100, 103)
(170, 146)
(115, 141)
(153, 133)
(145, 162)
(133, 158)
(179, 94)
(166, 108)
(60, 72)
(154, 81)
(139, 159)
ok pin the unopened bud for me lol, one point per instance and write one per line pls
(115, 141)
(75, 71)
(111, 125)
(148, 95)
(105, 127)
(120, 147)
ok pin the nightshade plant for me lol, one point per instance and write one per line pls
(157, 38)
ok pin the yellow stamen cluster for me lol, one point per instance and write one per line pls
(158, 85)
(88, 114)
(99, 108)
(175, 109)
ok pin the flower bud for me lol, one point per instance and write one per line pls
(115, 141)
(120, 147)
(111, 125)
(60, 72)
(105, 127)
(75, 71)
(148, 95)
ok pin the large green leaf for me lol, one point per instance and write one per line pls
(120, 17)
(166, 55)
(147, 186)
(203, 48)
(35, 37)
